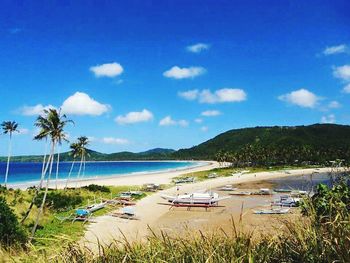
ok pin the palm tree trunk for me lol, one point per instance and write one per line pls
(84, 167)
(58, 162)
(43, 167)
(46, 190)
(8, 160)
(43, 173)
(81, 164)
(70, 172)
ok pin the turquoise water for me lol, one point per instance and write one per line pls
(24, 172)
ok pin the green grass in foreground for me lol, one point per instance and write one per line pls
(50, 227)
(304, 241)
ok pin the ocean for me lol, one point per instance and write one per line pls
(25, 172)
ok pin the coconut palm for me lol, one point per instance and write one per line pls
(9, 127)
(74, 153)
(51, 125)
(83, 142)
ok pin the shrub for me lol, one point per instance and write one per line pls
(327, 203)
(96, 188)
(59, 201)
(10, 230)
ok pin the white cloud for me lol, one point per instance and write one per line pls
(204, 128)
(198, 120)
(219, 96)
(107, 70)
(82, 104)
(222, 95)
(301, 97)
(334, 104)
(328, 119)
(197, 48)
(346, 89)
(183, 123)
(112, 140)
(134, 117)
(342, 72)
(211, 113)
(335, 50)
(168, 121)
(35, 110)
(189, 95)
(183, 73)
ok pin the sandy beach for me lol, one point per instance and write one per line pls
(161, 177)
(152, 214)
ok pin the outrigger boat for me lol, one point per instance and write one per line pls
(263, 191)
(208, 198)
(241, 193)
(272, 211)
(286, 201)
(184, 180)
(228, 187)
(212, 175)
(282, 190)
(127, 213)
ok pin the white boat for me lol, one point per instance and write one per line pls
(272, 211)
(264, 191)
(286, 201)
(84, 212)
(228, 187)
(241, 193)
(95, 207)
(212, 175)
(195, 198)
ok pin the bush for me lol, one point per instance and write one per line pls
(327, 203)
(10, 230)
(96, 188)
(59, 201)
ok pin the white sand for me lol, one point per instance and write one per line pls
(106, 228)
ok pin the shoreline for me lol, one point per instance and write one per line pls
(135, 178)
(106, 228)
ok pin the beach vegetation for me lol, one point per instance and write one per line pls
(97, 188)
(11, 232)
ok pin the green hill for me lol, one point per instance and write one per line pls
(325, 140)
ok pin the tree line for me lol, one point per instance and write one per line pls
(257, 155)
(51, 125)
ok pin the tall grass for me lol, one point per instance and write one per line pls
(301, 241)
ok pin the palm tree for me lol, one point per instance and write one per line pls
(74, 153)
(83, 142)
(9, 127)
(51, 126)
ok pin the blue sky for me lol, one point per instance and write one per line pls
(135, 75)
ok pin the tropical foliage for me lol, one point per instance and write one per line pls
(10, 230)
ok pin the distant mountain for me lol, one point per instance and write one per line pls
(153, 154)
(329, 140)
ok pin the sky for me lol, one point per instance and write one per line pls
(135, 75)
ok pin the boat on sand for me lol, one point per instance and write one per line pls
(228, 187)
(195, 198)
(272, 211)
